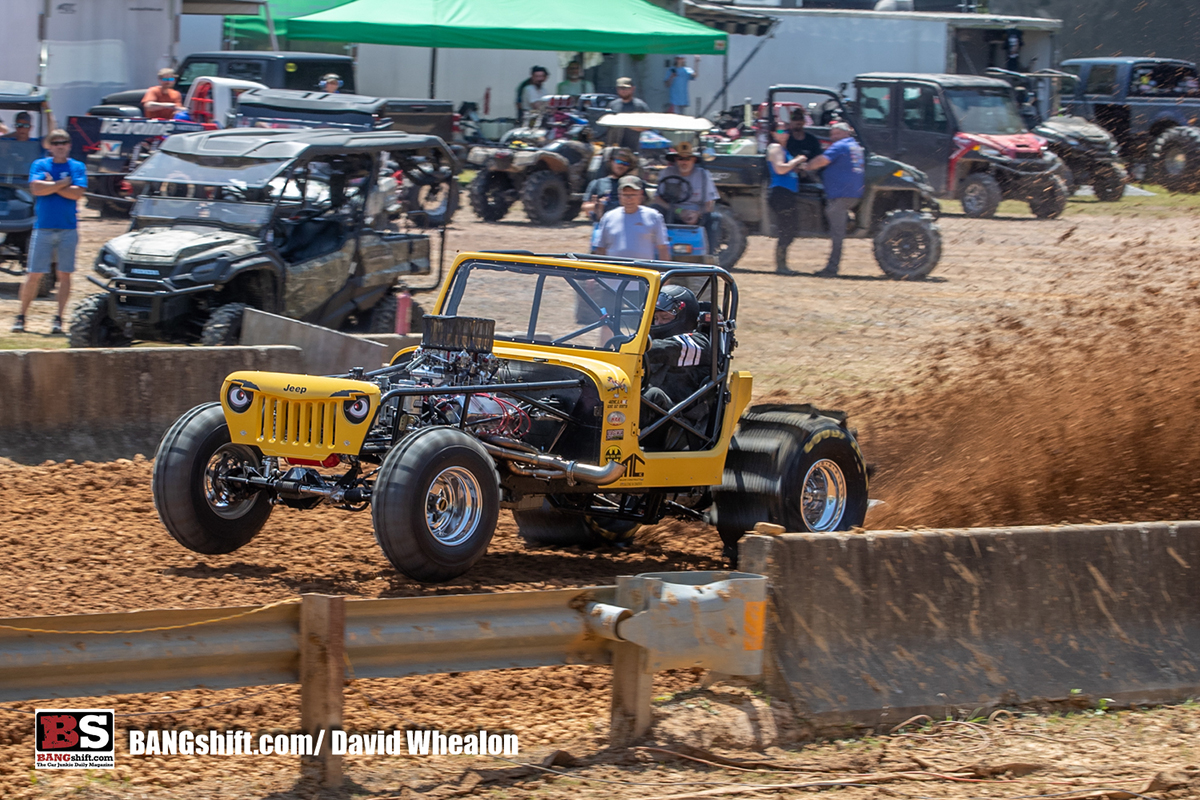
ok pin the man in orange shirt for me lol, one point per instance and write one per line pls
(162, 101)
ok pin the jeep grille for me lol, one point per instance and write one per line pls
(303, 423)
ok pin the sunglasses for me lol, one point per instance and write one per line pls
(621, 161)
(167, 80)
(60, 141)
(24, 125)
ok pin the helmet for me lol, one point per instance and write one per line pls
(682, 303)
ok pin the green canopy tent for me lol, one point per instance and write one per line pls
(610, 26)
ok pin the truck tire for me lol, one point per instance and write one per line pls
(432, 206)
(791, 466)
(224, 326)
(381, 318)
(1108, 182)
(92, 327)
(1175, 159)
(980, 196)
(487, 193)
(1049, 200)
(908, 245)
(552, 527)
(573, 209)
(435, 504)
(199, 509)
(731, 241)
(545, 197)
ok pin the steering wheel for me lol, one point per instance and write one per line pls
(674, 190)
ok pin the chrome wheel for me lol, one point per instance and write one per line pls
(228, 500)
(824, 499)
(453, 506)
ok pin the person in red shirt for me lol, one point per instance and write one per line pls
(162, 101)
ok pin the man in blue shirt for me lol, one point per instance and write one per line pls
(677, 80)
(845, 168)
(633, 231)
(57, 182)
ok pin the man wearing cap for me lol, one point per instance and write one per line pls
(57, 182)
(703, 194)
(625, 104)
(22, 128)
(163, 100)
(331, 83)
(677, 81)
(845, 168)
(633, 231)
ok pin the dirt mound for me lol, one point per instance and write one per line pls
(1092, 419)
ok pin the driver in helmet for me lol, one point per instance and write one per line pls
(677, 363)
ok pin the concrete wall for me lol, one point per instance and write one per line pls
(106, 404)
(867, 630)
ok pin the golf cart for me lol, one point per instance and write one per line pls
(966, 133)
(896, 212)
(16, 201)
(717, 240)
(282, 221)
(1088, 151)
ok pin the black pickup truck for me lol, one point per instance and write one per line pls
(1151, 106)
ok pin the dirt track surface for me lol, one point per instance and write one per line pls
(1046, 373)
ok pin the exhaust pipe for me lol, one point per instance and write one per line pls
(553, 466)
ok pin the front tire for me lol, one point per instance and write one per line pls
(488, 194)
(435, 504)
(791, 466)
(224, 326)
(980, 196)
(92, 327)
(1049, 199)
(199, 508)
(1175, 159)
(1108, 182)
(731, 240)
(908, 245)
(545, 197)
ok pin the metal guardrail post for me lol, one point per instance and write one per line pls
(633, 680)
(322, 675)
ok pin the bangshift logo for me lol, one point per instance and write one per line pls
(74, 738)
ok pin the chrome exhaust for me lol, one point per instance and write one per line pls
(547, 467)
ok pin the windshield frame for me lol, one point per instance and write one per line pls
(1005, 92)
(457, 288)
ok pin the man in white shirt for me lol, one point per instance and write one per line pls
(530, 92)
(633, 231)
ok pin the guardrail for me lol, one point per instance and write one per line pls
(641, 625)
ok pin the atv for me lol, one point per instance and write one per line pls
(509, 402)
(289, 222)
(545, 165)
(1088, 152)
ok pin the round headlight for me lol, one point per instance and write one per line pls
(356, 410)
(239, 399)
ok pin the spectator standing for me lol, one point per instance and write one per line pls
(784, 195)
(633, 231)
(163, 100)
(57, 182)
(845, 169)
(22, 130)
(677, 82)
(575, 84)
(800, 142)
(529, 92)
(624, 104)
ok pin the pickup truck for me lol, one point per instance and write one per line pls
(1151, 107)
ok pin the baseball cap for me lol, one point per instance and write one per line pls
(166, 72)
(624, 83)
(630, 180)
(841, 126)
(684, 149)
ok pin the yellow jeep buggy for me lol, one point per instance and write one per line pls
(534, 389)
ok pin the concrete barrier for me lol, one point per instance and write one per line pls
(106, 404)
(867, 630)
(326, 351)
